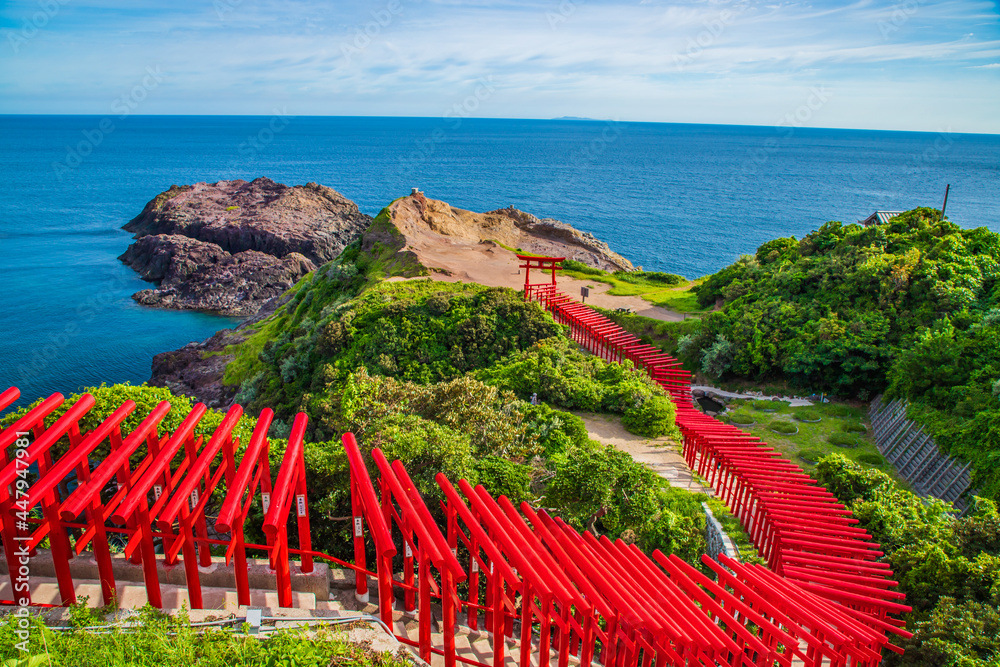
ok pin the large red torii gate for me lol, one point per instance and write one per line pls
(540, 291)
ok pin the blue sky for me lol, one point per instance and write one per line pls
(906, 65)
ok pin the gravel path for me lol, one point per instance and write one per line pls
(662, 455)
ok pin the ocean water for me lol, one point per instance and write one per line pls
(686, 199)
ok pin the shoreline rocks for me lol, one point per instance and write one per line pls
(231, 246)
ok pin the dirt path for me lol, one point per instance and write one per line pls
(489, 264)
(659, 454)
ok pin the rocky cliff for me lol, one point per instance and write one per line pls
(229, 247)
(425, 222)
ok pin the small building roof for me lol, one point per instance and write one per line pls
(879, 217)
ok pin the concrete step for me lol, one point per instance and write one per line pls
(45, 590)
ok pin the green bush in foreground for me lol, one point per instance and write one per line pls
(853, 427)
(653, 418)
(601, 489)
(159, 640)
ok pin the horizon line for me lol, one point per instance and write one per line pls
(560, 119)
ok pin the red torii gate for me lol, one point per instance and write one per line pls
(179, 473)
(584, 594)
(540, 291)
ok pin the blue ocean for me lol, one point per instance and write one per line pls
(686, 199)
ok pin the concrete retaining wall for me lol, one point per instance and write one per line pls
(915, 455)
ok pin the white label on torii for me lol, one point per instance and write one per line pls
(265, 498)
(409, 551)
(514, 570)
(454, 552)
(300, 502)
(359, 529)
(194, 499)
(157, 491)
(475, 565)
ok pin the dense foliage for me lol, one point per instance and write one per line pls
(950, 376)
(153, 639)
(557, 372)
(948, 567)
(420, 331)
(829, 311)
(911, 307)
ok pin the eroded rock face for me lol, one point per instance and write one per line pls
(231, 246)
(313, 220)
(419, 218)
(197, 275)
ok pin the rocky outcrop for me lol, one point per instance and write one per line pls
(424, 222)
(197, 275)
(312, 220)
(231, 246)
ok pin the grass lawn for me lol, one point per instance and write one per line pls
(679, 298)
(812, 441)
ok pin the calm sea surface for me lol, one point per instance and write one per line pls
(681, 198)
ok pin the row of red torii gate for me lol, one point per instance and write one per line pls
(824, 599)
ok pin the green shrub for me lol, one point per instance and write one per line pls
(560, 374)
(653, 418)
(768, 406)
(870, 458)
(717, 358)
(956, 634)
(807, 415)
(788, 428)
(505, 478)
(742, 417)
(596, 480)
(841, 439)
(556, 430)
(157, 639)
(811, 455)
(853, 427)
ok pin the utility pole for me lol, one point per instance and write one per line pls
(945, 204)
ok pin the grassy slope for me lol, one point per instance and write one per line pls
(681, 298)
(813, 437)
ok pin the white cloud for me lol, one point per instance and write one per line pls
(722, 61)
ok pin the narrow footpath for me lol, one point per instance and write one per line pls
(662, 455)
